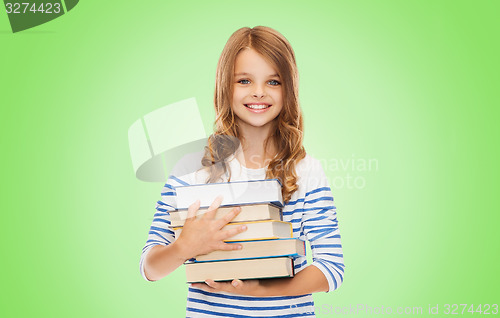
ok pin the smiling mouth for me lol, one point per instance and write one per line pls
(257, 106)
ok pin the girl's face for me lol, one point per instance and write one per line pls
(257, 93)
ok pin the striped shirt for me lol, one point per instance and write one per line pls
(312, 214)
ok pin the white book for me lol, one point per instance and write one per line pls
(233, 193)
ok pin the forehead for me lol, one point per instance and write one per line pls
(251, 62)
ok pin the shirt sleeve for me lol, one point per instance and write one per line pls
(160, 232)
(320, 225)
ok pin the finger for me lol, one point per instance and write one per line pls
(202, 286)
(212, 209)
(224, 235)
(229, 246)
(212, 283)
(218, 286)
(193, 208)
(237, 283)
(229, 217)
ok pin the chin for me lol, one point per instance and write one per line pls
(260, 123)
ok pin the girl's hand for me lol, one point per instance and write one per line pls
(202, 235)
(248, 287)
(309, 280)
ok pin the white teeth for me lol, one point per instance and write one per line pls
(261, 106)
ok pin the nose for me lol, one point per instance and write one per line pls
(259, 91)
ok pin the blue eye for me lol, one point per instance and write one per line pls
(274, 82)
(244, 81)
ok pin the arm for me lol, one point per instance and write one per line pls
(160, 235)
(199, 236)
(307, 281)
(320, 225)
(162, 260)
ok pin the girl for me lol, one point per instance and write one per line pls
(258, 135)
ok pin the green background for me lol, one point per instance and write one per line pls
(413, 85)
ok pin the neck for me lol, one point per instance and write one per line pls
(252, 154)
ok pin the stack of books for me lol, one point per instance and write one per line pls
(268, 246)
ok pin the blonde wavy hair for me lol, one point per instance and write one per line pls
(288, 133)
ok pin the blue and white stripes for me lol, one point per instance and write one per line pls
(205, 304)
(160, 232)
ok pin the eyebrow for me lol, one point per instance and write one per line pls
(247, 74)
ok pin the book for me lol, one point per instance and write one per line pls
(259, 249)
(233, 193)
(253, 212)
(258, 230)
(240, 269)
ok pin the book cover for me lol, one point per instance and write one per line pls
(233, 193)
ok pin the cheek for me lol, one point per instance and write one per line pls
(236, 101)
(278, 97)
(279, 109)
(239, 92)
